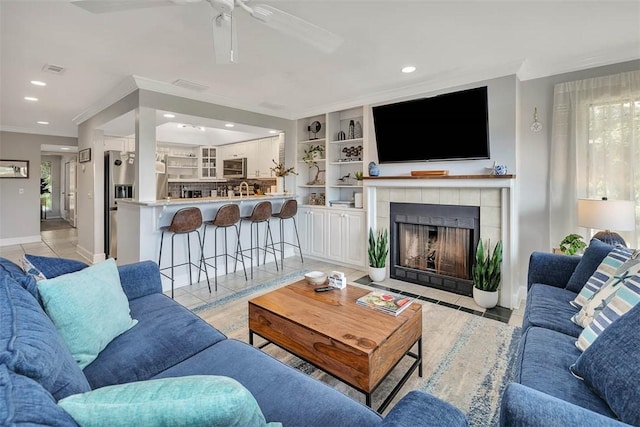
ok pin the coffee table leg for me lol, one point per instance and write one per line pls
(251, 340)
(368, 399)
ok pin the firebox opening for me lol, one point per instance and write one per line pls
(433, 245)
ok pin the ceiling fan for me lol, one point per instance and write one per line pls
(224, 24)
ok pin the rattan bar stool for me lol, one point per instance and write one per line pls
(261, 214)
(184, 221)
(288, 210)
(227, 216)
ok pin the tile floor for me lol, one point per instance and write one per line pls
(62, 242)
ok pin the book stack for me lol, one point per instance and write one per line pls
(387, 302)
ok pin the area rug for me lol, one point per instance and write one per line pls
(467, 360)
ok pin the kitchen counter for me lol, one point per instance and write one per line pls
(139, 231)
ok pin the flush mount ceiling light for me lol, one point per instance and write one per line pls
(183, 125)
(408, 69)
(38, 83)
(65, 148)
(42, 122)
(229, 125)
(30, 98)
(169, 116)
(273, 131)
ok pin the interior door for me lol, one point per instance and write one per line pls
(70, 192)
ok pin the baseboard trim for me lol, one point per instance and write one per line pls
(90, 256)
(20, 240)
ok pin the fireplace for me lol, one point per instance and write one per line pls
(434, 245)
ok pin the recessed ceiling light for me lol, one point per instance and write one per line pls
(30, 98)
(169, 116)
(273, 131)
(181, 125)
(65, 148)
(201, 128)
(38, 83)
(408, 69)
(229, 125)
(42, 123)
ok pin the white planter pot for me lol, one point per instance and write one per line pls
(280, 184)
(485, 299)
(377, 274)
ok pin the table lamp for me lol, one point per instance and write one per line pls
(607, 215)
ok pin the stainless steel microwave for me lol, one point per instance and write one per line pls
(234, 168)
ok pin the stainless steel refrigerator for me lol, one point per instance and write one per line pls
(119, 183)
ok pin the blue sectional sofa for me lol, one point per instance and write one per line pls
(545, 391)
(37, 370)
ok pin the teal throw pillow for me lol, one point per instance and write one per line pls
(197, 400)
(88, 308)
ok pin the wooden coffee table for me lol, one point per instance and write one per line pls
(356, 344)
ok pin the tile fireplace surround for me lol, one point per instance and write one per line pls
(493, 194)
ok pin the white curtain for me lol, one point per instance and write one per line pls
(595, 149)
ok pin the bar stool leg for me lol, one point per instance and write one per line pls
(206, 273)
(272, 246)
(281, 243)
(172, 264)
(295, 227)
(239, 248)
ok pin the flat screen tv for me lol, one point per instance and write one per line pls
(452, 126)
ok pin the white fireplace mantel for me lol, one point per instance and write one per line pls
(510, 291)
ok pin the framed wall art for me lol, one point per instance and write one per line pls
(84, 155)
(14, 168)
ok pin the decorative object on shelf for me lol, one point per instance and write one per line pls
(342, 136)
(377, 251)
(352, 153)
(357, 132)
(351, 133)
(357, 200)
(486, 271)
(572, 244)
(373, 169)
(314, 128)
(536, 126)
(499, 169)
(607, 215)
(344, 180)
(311, 157)
(317, 199)
(359, 175)
(280, 170)
(280, 185)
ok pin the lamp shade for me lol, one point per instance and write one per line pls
(606, 214)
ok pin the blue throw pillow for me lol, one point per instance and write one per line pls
(49, 267)
(611, 364)
(589, 262)
(24, 402)
(198, 400)
(31, 346)
(11, 269)
(88, 307)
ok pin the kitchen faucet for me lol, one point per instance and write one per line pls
(247, 185)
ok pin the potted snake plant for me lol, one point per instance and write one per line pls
(378, 250)
(486, 271)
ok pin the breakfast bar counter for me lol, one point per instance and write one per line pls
(139, 232)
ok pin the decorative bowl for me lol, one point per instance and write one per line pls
(316, 278)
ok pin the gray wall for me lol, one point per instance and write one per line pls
(20, 213)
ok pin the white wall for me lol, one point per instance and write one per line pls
(20, 212)
(56, 184)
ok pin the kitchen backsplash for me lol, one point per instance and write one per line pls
(203, 189)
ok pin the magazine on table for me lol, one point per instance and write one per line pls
(387, 302)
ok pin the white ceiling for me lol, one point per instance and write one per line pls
(450, 42)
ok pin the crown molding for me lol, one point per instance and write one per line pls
(126, 87)
(17, 129)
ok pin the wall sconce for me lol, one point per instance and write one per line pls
(536, 126)
(607, 215)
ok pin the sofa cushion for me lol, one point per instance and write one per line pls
(88, 307)
(544, 359)
(198, 400)
(31, 346)
(589, 262)
(604, 272)
(49, 267)
(622, 302)
(600, 299)
(610, 366)
(166, 334)
(24, 402)
(11, 269)
(548, 307)
(284, 394)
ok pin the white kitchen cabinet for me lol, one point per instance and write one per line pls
(114, 143)
(311, 229)
(261, 154)
(208, 163)
(346, 236)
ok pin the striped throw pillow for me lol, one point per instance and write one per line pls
(603, 273)
(624, 300)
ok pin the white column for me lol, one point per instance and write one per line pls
(145, 154)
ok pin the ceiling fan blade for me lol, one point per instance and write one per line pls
(310, 33)
(225, 39)
(108, 6)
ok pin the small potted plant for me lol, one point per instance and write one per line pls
(378, 250)
(280, 171)
(486, 271)
(311, 157)
(572, 244)
(359, 176)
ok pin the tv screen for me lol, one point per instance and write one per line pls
(452, 126)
